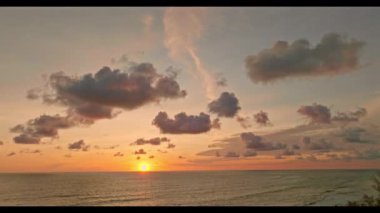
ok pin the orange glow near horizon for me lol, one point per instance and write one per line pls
(144, 167)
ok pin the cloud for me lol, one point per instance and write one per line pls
(67, 156)
(106, 147)
(369, 154)
(249, 153)
(296, 146)
(33, 94)
(28, 151)
(1, 143)
(138, 158)
(253, 141)
(346, 117)
(183, 123)
(262, 118)
(317, 114)
(151, 157)
(162, 151)
(118, 154)
(171, 146)
(288, 152)
(231, 155)
(334, 55)
(140, 152)
(216, 123)
(183, 28)
(43, 126)
(321, 144)
(227, 105)
(244, 122)
(79, 145)
(354, 135)
(94, 96)
(181, 157)
(153, 141)
(11, 154)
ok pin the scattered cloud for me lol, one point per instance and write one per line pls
(249, 153)
(253, 141)
(171, 146)
(183, 123)
(262, 118)
(140, 152)
(118, 154)
(231, 155)
(321, 144)
(43, 126)
(153, 141)
(346, 117)
(317, 114)
(11, 154)
(244, 122)
(94, 96)
(151, 157)
(227, 105)
(354, 135)
(79, 145)
(334, 55)
(33, 94)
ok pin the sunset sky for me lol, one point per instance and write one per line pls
(107, 89)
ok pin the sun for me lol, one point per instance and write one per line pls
(144, 167)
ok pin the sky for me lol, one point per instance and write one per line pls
(109, 89)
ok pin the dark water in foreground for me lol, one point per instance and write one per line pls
(248, 188)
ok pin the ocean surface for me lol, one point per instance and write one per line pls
(225, 188)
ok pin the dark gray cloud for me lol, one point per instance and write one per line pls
(11, 154)
(317, 114)
(334, 55)
(231, 155)
(255, 142)
(262, 118)
(183, 123)
(227, 105)
(354, 135)
(43, 126)
(346, 117)
(94, 96)
(118, 154)
(153, 141)
(244, 122)
(79, 145)
(140, 152)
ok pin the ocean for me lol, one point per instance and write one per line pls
(200, 188)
